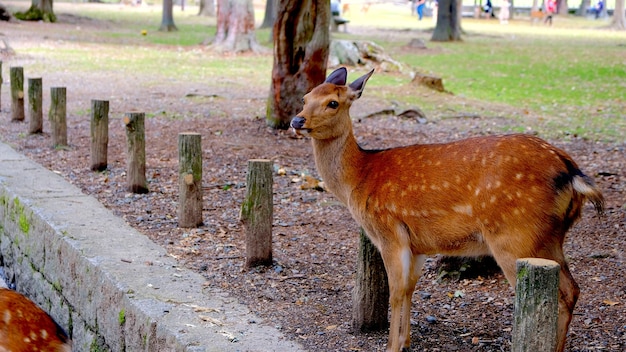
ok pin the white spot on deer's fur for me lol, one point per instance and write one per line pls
(519, 176)
(477, 192)
(463, 209)
(492, 199)
(44, 334)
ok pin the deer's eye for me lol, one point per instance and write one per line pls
(333, 104)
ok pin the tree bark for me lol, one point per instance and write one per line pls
(235, 27)
(370, 297)
(562, 8)
(40, 10)
(136, 152)
(35, 113)
(301, 46)
(257, 213)
(189, 179)
(448, 24)
(207, 8)
(536, 306)
(271, 10)
(58, 116)
(16, 74)
(99, 134)
(619, 19)
(167, 20)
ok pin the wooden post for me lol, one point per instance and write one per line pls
(17, 93)
(257, 213)
(35, 110)
(58, 116)
(370, 296)
(536, 305)
(189, 179)
(136, 150)
(99, 134)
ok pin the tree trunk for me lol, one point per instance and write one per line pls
(619, 20)
(301, 45)
(271, 9)
(582, 8)
(511, 10)
(561, 7)
(448, 25)
(167, 20)
(207, 8)
(235, 27)
(40, 10)
(370, 297)
(35, 109)
(189, 179)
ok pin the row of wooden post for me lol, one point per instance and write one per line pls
(57, 114)
(536, 304)
(190, 150)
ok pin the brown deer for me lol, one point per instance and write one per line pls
(26, 327)
(509, 196)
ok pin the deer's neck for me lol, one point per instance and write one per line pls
(338, 162)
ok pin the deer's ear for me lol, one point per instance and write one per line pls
(359, 84)
(338, 77)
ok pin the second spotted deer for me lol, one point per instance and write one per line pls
(510, 196)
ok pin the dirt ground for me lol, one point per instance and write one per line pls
(307, 292)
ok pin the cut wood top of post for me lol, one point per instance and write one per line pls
(189, 133)
(539, 262)
(188, 179)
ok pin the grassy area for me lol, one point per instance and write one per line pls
(572, 76)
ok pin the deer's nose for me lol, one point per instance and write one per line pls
(298, 122)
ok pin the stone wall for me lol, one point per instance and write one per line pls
(106, 284)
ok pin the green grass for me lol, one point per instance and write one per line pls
(563, 78)
(570, 77)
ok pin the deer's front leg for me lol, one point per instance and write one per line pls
(403, 271)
